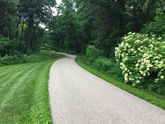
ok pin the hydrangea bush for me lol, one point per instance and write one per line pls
(142, 60)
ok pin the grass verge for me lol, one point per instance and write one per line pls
(24, 93)
(149, 96)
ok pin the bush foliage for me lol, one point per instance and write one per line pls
(8, 46)
(92, 53)
(101, 63)
(18, 59)
(107, 65)
(158, 25)
(142, 60)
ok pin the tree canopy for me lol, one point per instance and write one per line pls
(20, 19)
(78, 23)
(102, 23)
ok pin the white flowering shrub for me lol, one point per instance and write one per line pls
(142, 60)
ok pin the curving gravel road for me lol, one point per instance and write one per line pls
(79, 97)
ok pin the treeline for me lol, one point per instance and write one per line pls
(19, 25)
(102, 23)
(78, 23)
(94, 27)
(99, 29)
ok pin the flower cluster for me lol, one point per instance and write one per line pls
(142, 59)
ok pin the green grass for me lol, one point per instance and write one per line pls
(156, 99)
(24, 93)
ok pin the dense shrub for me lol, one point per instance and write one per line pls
(18, 59)
(158, 25)
(107, 65)
(142, 60)
(0, 61)
(7, 59)
(101, 63)
(92, 53)
(8, 46)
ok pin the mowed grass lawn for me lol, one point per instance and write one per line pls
(24, 93)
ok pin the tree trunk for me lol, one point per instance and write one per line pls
(1, 29)
(58, 43)
(17, 27)
(29, 34)
(22, 32)
(63, 45)
(29, 42)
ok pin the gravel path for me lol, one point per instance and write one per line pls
(79, 97)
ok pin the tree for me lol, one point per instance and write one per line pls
(103, 22)
(158, 25)
(34, 13)
(141, 12)
(65, 28)
(7, 17)
(57, 33)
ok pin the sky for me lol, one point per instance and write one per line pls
(58, 2)
(54, 10)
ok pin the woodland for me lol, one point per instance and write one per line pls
(121, 37)
(120, 41)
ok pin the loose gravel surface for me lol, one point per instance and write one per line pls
(79, 97)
